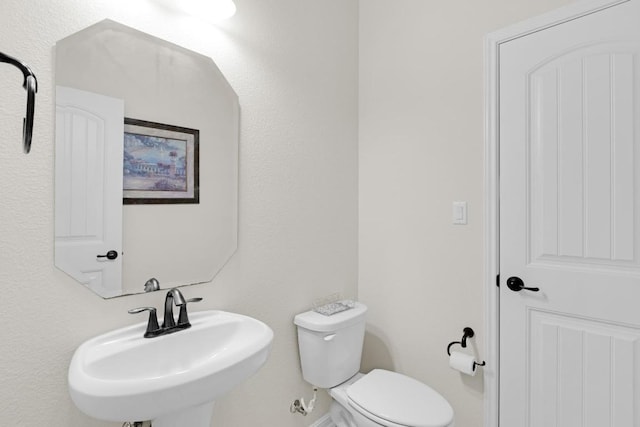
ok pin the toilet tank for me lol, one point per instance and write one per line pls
(330, 346)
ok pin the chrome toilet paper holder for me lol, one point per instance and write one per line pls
(467, 333)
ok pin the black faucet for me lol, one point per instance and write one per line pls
(174, 296)
(169, 325)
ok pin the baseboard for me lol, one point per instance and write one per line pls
(324, 421)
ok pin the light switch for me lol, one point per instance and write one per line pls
(460, 213)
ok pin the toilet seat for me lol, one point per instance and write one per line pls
(395, 400)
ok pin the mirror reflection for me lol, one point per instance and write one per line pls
(139, 113)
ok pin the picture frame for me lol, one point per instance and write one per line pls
(161, 163)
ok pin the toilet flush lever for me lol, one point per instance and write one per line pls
(329, 337)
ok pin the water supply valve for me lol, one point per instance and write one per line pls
(299, 406)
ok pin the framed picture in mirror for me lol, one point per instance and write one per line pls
(161, 164)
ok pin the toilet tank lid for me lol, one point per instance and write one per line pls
(320, 323)
(399, 399)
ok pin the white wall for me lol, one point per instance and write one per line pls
(421, 148)
(293, 64)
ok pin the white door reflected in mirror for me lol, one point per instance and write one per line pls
(88, 196)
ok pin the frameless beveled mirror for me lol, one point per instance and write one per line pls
(138, 113)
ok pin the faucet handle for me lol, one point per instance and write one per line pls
(152, 324)
(183, 317)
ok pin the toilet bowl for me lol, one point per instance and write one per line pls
(389, 399)
(330, 351)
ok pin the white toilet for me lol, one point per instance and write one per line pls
(330, 351)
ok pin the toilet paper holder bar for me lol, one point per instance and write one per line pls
(467, 333)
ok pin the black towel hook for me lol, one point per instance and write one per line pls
(30, 84)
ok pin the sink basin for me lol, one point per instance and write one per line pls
(121, 376)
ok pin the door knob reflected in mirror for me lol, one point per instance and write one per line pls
(109, 255)
(516, 284)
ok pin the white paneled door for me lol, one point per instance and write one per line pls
(570, 223)
(88, 184)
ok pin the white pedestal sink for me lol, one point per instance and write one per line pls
(173, 379)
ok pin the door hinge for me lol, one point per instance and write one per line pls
(498, 280)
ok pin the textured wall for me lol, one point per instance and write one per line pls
(293, 64)
(421, 148)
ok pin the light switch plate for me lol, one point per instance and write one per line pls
(460, 213)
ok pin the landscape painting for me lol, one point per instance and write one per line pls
(160, 163)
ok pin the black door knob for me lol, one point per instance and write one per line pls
(516, 284)
(109, 255)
